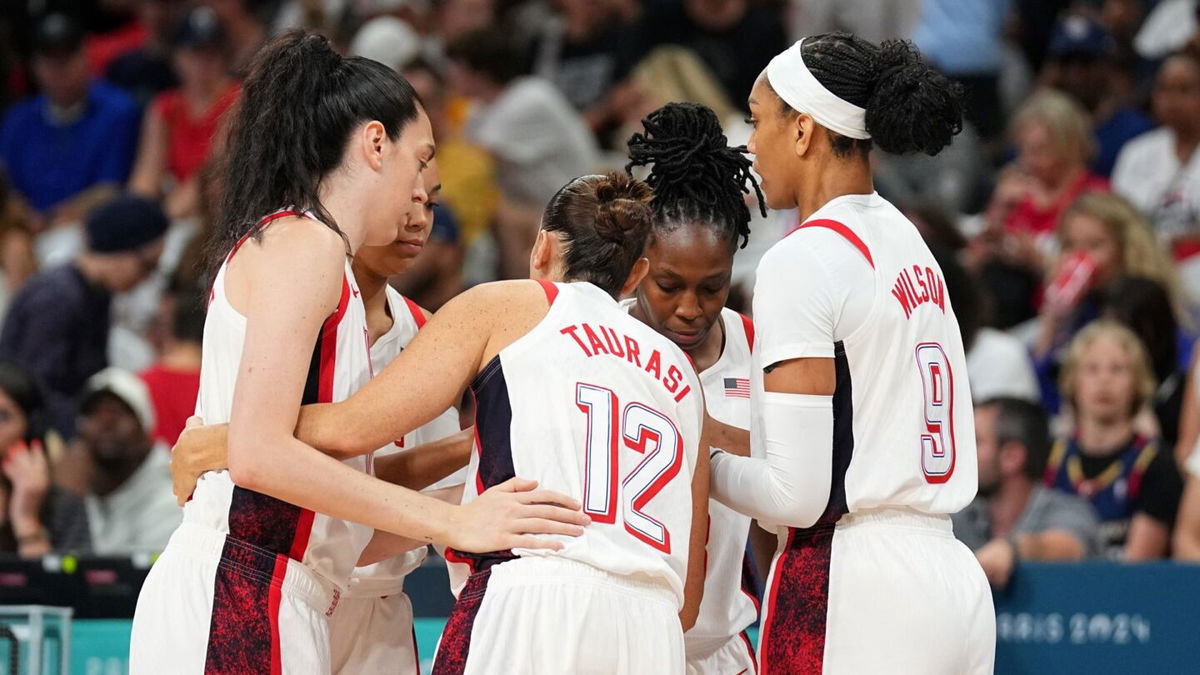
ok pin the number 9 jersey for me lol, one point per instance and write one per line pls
(904, 430)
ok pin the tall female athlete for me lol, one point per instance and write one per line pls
(247, 580)
(700, 215)
(863, 430)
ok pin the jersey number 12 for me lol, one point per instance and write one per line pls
(643, 430)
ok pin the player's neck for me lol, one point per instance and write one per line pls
(833, 177)
(374, 295)
(1100, 437)
(1007, 504)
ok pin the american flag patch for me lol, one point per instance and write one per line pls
(737, 387)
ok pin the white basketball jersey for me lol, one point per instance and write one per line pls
(594, 404)
(387, 577)
(728, 606)
(339, 366)
(904, 432)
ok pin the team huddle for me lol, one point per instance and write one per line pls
(631, 434)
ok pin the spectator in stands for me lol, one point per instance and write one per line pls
(1186, 539)
(1117, 242)
(243, 29)
(1144, 306)
(130, 506)
(538, 140)
(1160, 171)
(36, 516)
(146, 72)
(182, 126)
(58, 325)
(583, 50)
(1130, 480)
(17, 261)
(1015, 517)
(873, 20)
(964, 38)
(174, 380)
(734, 38)
(72, 146)
(1083, 65)
(1053, 137)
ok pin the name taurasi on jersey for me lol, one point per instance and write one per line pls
(605, 340)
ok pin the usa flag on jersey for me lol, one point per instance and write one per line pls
(737, 387)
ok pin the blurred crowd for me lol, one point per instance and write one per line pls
(1066, 217)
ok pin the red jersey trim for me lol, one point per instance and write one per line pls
(550, 289)
(748, 326)
(418, 314)
(846, 234)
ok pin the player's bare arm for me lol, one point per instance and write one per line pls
(693, 588)
(206, 448)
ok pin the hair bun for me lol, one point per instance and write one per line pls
(912, 107)
(622, 206)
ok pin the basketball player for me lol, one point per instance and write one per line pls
(372, 629)
(862, 431)
(247, 580)
(699, 217)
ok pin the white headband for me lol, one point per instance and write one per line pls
(796, 85)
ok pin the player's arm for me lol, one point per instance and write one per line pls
(693, 588)
(206, 448)
(790, 483)
(427, 463)
(727, 437)
(428, 377)
(283, 311)
(384, 545)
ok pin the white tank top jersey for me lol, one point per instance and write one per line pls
(387, 577)
(875, 301)
(730, 602)
(259, 523)
(594, 404)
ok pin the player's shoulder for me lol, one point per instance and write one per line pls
(404, 307)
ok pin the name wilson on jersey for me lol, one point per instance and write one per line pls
(916, 286)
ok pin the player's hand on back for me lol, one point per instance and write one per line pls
(510, 514)
(199, 448)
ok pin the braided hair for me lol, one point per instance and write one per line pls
(695, 175)
(911, 107)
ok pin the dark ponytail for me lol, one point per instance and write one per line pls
(910, 106)
(603, 221)
(297, 109)
(695, 175)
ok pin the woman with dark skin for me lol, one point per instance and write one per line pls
(701, 217)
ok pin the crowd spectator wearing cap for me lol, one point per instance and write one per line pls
(1083, 63)
(36, 516)
(182, 126)
(58, 324)
(243, 28)
(71, 146)
(1015, 517)
(1160, 170)
(130, 507)
(146, 71)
